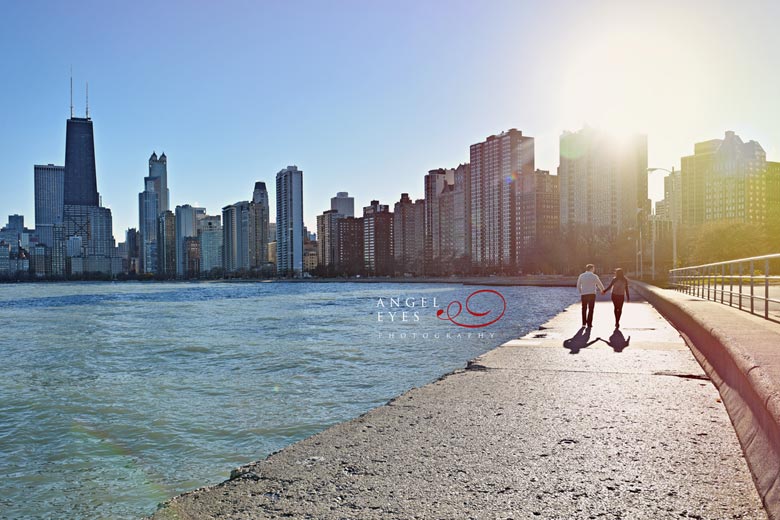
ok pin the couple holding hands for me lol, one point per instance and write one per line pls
(587, 284)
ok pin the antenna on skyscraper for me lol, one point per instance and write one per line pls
(71, 92)
(87, 99)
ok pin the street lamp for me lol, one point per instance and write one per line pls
(640, 258)
(674, 221)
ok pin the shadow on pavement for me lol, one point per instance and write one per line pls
(617, 341)
(579, 341)
(582, 340)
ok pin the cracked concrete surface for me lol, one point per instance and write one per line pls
(613, 425)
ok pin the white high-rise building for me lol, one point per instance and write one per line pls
(289, 221)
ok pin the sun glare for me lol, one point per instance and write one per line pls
(627, 81)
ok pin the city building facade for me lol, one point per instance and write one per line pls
(210, 237)
(49, 200)
(409, 235)
(378, 254)
(496, 164)
(725, 180)
(235, 237)
(350, 259)
(186, 227)
(343, 204)
(328, 240)
(259, 217)
(454, 218)
(603, 182)
(538, 218)
(289, 221)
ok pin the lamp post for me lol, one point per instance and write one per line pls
(673, 210)
(639, 246)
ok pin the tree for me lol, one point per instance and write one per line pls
(721, 241)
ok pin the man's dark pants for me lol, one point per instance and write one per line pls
(588, 302)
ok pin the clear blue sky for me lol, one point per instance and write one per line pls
(366, 97)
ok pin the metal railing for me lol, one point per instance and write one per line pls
(745, 283)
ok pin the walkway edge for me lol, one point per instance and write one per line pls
(750, 391)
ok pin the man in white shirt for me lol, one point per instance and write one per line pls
(587, 284)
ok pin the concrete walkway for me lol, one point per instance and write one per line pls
(611, 425)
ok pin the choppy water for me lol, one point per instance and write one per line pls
(114, 397)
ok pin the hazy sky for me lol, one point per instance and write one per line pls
(366, 97)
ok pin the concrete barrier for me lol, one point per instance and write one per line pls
(741, 354)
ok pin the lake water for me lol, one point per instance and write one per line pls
(115, 397)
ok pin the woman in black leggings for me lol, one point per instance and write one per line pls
(619, 286)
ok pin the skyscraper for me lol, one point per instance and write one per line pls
(327, 239)
(83, 216)
(435, 182)
(259, 216)
(343, 204)
(409, 235)
(16, 223)
(154, 200)
(210, 236)
(378, 255)
(158, 170)
(539, 217)
(289, 221)
(133, 248)
(191, 257)
(148, 214)
(80, 181)
(186, 226)
(235, 236)
(166, 246)
(49, 186)
(603, 181)
(725, 180)
(350, 257)
(496, 165)
(455, 222)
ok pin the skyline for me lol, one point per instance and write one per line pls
(364, 114)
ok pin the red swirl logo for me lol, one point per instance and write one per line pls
(459, 308)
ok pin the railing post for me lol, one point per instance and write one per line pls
(702, 278)
(709, 283)
(722, 281)
(740, 286)
(752, 285)
(731, 285)
(766, 289)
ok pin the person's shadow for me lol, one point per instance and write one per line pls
(579, 341)
(617, 341)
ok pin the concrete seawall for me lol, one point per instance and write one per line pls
(741, 354)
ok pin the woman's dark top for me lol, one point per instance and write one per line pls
(619, 287)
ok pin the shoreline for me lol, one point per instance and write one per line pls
(485, 439)
(496, 281)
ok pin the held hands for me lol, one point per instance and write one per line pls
(603, 292)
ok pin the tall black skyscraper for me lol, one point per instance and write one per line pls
(80, 174)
